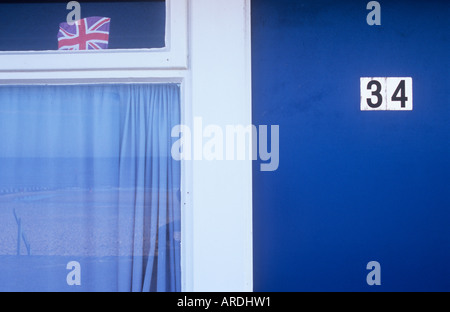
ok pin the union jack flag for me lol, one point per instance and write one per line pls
(91, 33)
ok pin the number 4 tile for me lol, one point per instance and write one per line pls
(399, 93)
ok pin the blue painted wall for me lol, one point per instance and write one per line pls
(352, 186)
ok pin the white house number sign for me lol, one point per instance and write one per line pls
(386, 93)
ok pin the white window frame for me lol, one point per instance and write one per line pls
(211, 56)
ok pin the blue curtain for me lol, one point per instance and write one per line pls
(87, 177)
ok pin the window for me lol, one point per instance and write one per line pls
(88, 183)
(215, 196)
(34, 26)
(77, 79)
(126, 52)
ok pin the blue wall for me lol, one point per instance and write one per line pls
(352, 186)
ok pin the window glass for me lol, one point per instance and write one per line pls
(89, 192)
(31, 26)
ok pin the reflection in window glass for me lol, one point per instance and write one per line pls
(89, 192)
(31, 26)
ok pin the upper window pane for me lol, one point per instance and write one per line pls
(31, 26)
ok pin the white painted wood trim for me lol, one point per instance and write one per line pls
(220, 74)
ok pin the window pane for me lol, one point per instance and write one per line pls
(26, 26)
(89, 192)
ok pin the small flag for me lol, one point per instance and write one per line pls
(91, 33)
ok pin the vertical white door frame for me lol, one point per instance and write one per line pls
(220, 74)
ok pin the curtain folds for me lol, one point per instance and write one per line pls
(88, 171)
